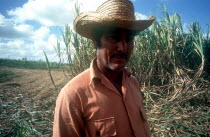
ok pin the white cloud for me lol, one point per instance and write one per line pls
(51, 13)
(52, 41)
(8, 29)
(41, 33)
(11, 30)
(140, 16)
(23, 28)
(15, 44)
(46, 12)
(3, 20)
(12, 49)
(18, 49)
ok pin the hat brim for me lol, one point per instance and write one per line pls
(86, 22)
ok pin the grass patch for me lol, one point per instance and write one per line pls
(6, 75)
(26, 64)
(21, 116)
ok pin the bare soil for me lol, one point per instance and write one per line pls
(29, 98)
(35, 84)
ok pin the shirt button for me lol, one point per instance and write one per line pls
(97, 133)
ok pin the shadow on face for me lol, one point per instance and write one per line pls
(99, 31)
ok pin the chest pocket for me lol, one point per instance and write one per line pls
(102, 128)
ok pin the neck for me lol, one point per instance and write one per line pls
(115, 77)
(112, 75)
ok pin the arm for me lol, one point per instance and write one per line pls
(142, 110)
(68, 119)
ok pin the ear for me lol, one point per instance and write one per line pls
(94, 42)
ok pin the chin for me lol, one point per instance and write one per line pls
(116, 67)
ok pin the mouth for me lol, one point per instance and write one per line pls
(120, 56)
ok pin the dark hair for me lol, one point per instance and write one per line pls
(97, 33)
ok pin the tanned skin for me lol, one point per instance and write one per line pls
(113, 54)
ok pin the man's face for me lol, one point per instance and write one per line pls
(115, 49)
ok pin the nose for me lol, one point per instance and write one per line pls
(122, 45)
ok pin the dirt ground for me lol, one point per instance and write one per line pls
(29, 98)
(35, 84)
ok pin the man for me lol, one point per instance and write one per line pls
(104, 100)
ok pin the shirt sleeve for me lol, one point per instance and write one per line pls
(68, 119)
(142, 110)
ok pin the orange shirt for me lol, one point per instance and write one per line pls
(90, 105)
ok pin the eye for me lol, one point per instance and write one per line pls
(130, 39)
(113, 38)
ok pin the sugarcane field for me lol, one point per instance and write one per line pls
(172, 66)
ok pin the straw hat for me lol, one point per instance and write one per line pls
(112, 13)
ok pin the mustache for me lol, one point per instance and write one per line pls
(119, 55)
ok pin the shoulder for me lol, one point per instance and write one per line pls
(78, 83)
(134, 80)
(74, 90)
(134, 83)
(131, 79)
(81, 79)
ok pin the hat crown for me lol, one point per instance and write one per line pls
(112, 13)
(117, 9)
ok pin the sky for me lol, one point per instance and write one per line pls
(29, 27)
